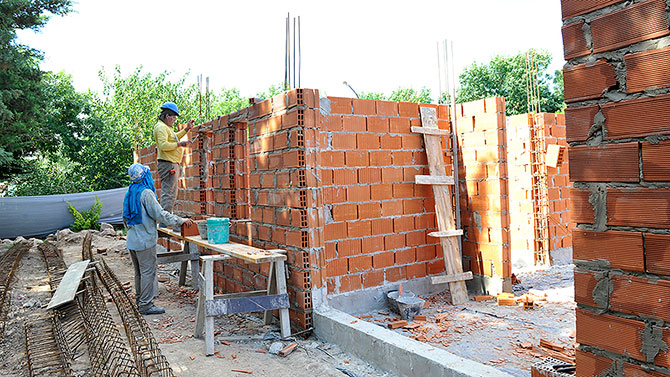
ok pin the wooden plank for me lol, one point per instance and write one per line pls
(69, 285)
(246, 253)
(446, 233)
(208, 266)
(452, 254)
(195, 264)
(430, 131)
(163, 258)
(280, 275)
(261, 292)
(271, 289)
(433, 180)
(451, 278)
(246, 304)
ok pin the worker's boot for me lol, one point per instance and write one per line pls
(153, 310)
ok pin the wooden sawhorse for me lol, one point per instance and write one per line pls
(267, 300)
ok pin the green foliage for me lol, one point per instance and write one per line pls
(86, 219)
(23, 96)
(401, 94)
(228, 101)
(506, 77)
(49, 176)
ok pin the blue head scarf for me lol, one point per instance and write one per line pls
(140, 176)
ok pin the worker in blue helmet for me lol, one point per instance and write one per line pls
(170, 153)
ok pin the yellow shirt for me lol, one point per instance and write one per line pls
(166, 141)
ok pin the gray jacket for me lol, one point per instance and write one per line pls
(145, 235)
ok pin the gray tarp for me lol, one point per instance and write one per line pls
(30, 216)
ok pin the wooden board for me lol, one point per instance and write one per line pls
(246, 253)
(433, 180)
(69, 285)
(430, 131)
(452, 254)
(246, 304)
(449, 278)
(446, 233)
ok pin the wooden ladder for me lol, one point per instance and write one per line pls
(447, 232)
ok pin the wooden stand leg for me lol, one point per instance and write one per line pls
(195, 267)
(200, 315)
(272, 289)
(182, 273)
(209, 295)
(281, 289)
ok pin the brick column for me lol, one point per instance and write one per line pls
(616, 85)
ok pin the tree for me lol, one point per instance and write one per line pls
(506, 77)
(22, 93)
(401, 94)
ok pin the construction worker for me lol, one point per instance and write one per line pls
(170, 152)
(141, 212)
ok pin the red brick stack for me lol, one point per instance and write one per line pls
(615, 85)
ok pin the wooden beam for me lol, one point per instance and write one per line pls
(433, 180)
(175, 257)
(446, 233)
(451, 278)
(69, 285)
(453, 262)
(430, 131)
(246, 304)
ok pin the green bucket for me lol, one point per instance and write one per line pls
(218, 230)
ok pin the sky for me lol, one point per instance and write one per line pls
(375, 46)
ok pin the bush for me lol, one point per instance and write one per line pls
(86, 219)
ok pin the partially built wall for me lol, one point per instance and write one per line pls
(331, 180)
(616, 87)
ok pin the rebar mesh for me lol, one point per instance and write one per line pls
(8, 264)
(44, 347)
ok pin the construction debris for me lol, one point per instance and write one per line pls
(288, 349)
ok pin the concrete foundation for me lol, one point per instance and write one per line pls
(390, 351)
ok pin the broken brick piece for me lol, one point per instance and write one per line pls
(288, 349)
(420, 318)
(396, 324)
(483, 298)
(551, 345)
(506, 301)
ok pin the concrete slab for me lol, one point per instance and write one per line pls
(390, 351)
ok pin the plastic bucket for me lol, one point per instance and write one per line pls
(202, 228)
(218, 230)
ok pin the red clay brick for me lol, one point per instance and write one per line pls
(350, 283)
(378, 125)
(367, 141)
(574, 43)
(354, 123)
(360, 263)
(399, 125)
(369, 210)
(585, 282)
(412, 206)
(641, 297)
(611, 162)
(369, 175)
(380, 158)
(581, 211)
(382, 260)
(408, 109)
(423, 253)
(359, 229)
(344, 141)
(588, 81)
(639, 207)
(571, 8)
(335, 231)
(358, 193)
(387, 108)
(616, 334)
(632, 370)
(403, 190)
(637, 117)
(364, 106)
(372, 244)
(394, 241)
(655, 161)
(396, 273)
(413, 141)
(391, 142)
(346, 211)
(332, 158)
(620, 249)
(403, 224)
(344, 177)
(630, 25)
(373, 278)
(589, 364)
(347, 248)
(339, 105)
(647, 69)
(417, 270)
(657, 252)
(579, 121)
(401, 158)
(382, 226)
(392, 175)
(356, 158)
(337, 267)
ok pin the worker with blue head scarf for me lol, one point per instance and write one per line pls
(141, 212)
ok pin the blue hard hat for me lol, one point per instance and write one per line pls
(170, 106)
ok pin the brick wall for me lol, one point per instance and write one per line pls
(522, 226)
(616, 85)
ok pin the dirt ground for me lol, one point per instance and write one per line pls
(247, 348)
(505, 337)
